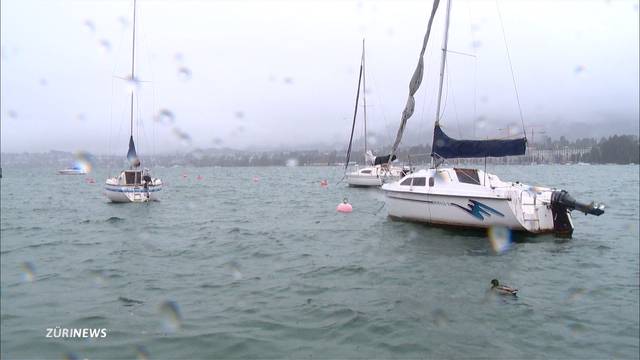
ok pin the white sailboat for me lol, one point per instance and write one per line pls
(377, 170)
(134, 184)
(472, 198)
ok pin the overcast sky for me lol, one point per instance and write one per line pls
(263, 74)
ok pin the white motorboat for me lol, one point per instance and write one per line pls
(133, 184)
(72, 171)
(472, 198)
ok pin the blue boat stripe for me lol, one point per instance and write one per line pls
(142, 191)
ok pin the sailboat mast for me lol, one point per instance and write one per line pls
(364, 100)
(133, 60)
(444, 60)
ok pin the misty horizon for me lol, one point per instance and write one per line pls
(268, 75)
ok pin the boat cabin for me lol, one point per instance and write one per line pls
(433, 177)
(133, 177)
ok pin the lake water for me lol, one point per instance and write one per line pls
(229, 267)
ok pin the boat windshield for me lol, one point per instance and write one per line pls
(133, 177)
(468, 176)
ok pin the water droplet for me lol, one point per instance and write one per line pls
(288, 80)
(104, 45)
(90, 26)
(579, 69)
(99, 277)
(182, 136)
(574, 294)
(476, 44)
(71, 356)
(123, 21)
(439, 318)
(239, 114)
(81, 117)
(576, 329)
(234, 269)
(481, 122)
(28, 271)
(142, 352)
(178, 57)
(84, 161)
(43, 82)
(500, 239)
(171, 318)
(165, 117)
(292, 162)
(217, 141)
(133, 83)
(12, 114)
(184, 73)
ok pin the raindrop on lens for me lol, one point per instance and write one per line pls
(84, 161)
(28, 271)
(165, 117)
(171, 318)
(184, 73)
(440, 318)
(500, 239)
(142, 353)
(90, 26)
(234, 269)
(105, 45)
(182, 136)
(292, 162)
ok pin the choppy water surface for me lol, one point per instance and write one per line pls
(226, 266)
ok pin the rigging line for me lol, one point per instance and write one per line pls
(453, 100)
(513, 78)
(475, 76)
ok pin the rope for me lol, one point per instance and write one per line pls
(513, 78)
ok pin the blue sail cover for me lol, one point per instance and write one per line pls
(449, 148)
(131, 154)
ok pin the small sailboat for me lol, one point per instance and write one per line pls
(134, 184)
(377, 170)
(473, 198)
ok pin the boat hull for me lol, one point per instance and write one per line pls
(364, 181)
(71, 172)
(459, 211)
(438, 197)
(129, 194)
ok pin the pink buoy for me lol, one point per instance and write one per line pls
(324, 183)
(344, 207)
(199, 177)
(184, 175)
(256, 179)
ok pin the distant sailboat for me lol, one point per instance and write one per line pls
(377, 170)
(472, 198)
(134, 184)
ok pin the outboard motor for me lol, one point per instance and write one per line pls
(562, 204)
